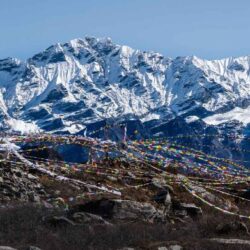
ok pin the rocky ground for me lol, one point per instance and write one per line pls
(19, 183)
(150, 211)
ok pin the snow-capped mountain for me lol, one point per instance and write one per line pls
(71, 86)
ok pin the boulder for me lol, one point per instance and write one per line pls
(130, 210)
(180, 209)
(232, 227)
(212, 198)
(121, 210)
(102, 207)
(59, 221)
(192, 209)
(87, 218)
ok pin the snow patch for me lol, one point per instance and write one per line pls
(23, 127)
(191, 119)
(238, 114)
(151, 117)
(74, 128)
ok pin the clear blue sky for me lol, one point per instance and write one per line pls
(205, 28)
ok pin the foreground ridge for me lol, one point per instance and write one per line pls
(154, 184)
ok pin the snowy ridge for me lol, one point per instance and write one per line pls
(68, 86)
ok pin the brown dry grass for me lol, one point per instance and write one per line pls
(22, 226)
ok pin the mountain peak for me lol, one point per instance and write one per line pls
(91, 42)
(101, 40)
(70, 85)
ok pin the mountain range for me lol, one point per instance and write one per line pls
(95, 87)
